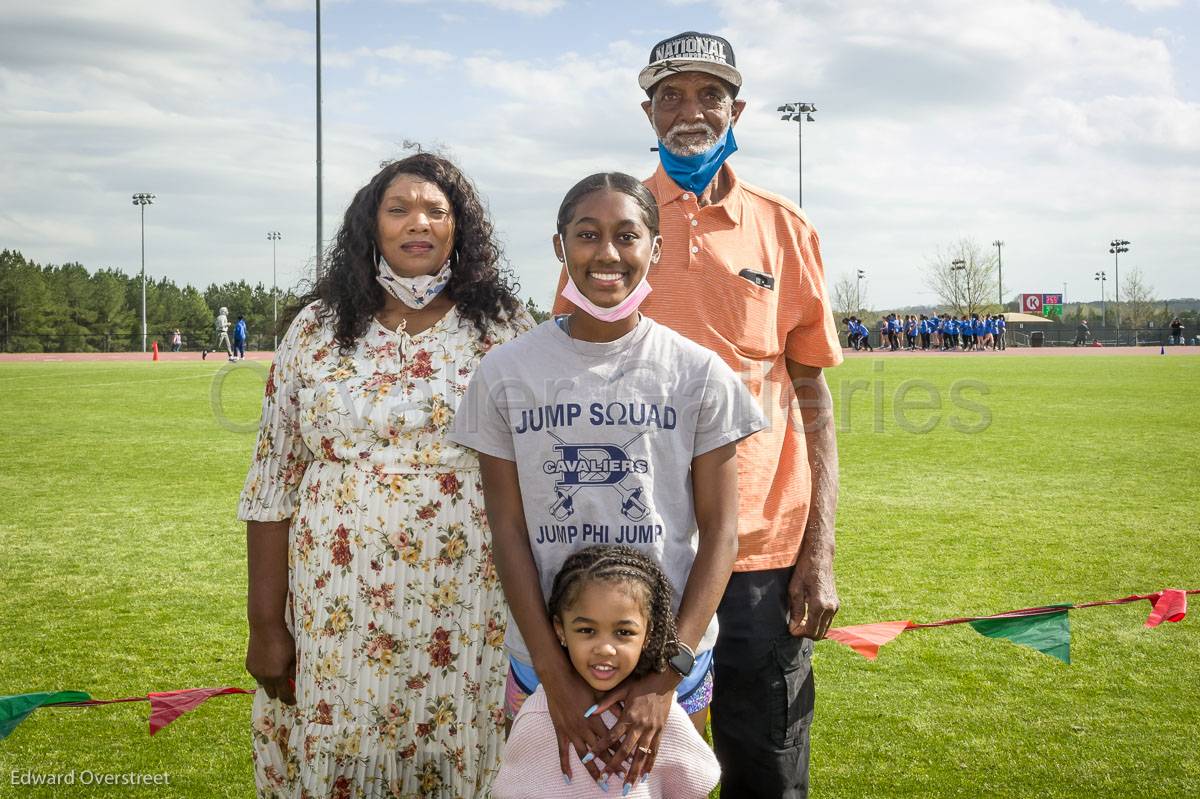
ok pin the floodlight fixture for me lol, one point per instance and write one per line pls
(798, 113)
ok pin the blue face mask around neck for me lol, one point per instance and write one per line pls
(695, 172)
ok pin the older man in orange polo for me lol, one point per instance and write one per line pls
(741, 274)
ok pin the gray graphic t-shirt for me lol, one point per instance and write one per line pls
(603, 435)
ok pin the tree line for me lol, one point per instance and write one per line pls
(66, 308)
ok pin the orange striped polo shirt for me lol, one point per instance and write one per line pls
(698, 292)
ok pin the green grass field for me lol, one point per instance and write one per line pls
(123, 572)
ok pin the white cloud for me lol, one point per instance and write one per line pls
(1172, 38)
(533, 7)
(1153, 5)
(415, 55)
(377, 78)
(402, 54)
(306, 6)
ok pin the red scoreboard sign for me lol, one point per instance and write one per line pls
(1037, 303)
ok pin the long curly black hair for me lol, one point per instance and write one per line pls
(481, 286)
(612, 563)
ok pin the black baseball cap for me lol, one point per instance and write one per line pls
(691, 52)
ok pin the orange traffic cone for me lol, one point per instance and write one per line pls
(155, 351)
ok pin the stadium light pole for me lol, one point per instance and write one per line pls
(142, 199)
(274, 236)
(1116, 247)
(798, 113)
(956, 266)
(319, 198)
(1101, 277)
(999, 272)
(858, 292)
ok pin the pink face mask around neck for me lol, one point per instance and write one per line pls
(616, 313)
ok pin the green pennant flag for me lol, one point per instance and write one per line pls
(1048, 633)
(15, 709)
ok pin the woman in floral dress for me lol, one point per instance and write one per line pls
(376, 618)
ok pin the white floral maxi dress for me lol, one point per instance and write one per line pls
(395, 606)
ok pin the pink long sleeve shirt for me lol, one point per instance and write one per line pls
(684, 769)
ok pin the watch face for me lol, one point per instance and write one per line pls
(683, 662)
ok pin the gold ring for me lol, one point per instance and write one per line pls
(645, 750)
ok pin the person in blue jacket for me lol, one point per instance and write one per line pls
(239, 339)
(1000, 328)
(986, 329)
(865, 335)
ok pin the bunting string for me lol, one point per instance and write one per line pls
(1044, 628)
(1125, 600)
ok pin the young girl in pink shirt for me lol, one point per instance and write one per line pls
(611, 608)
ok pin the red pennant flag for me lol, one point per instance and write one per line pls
(167, 706)
(1169, 605)
(865, 639)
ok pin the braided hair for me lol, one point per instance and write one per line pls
(614, 181)
(610, 563)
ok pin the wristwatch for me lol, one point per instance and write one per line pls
(684, 659)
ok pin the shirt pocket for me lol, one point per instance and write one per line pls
(742, 312)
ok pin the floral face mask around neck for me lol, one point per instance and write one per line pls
(415, 292)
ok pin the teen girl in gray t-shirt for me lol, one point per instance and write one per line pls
(604, 427)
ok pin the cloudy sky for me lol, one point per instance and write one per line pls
(1053, 126)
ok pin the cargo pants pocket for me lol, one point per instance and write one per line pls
(790, 691)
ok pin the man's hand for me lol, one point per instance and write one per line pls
(812, 596)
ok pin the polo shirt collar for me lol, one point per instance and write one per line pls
(666, 190)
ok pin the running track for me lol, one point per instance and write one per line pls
(180, 357)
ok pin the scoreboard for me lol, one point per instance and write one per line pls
(1042, 304)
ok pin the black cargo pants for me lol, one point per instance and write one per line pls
(763, 691)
